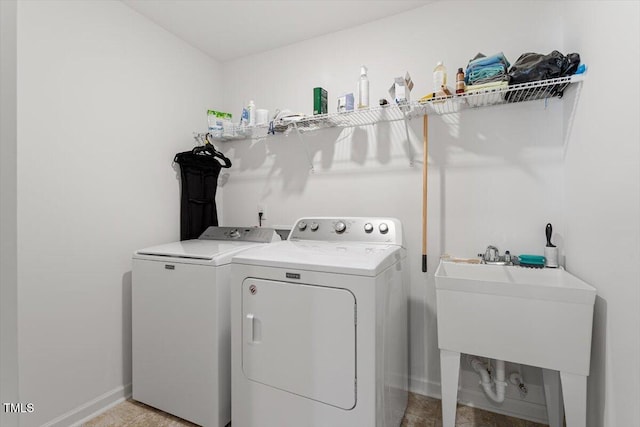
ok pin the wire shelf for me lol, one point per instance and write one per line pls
(231, 132)
(553, 88)
(388, 113)
(543, 89)
(531, 91)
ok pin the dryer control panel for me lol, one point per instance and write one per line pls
(348, 229)
(240, 234)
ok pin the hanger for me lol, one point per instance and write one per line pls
(209, 150)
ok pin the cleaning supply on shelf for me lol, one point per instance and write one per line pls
(439, 77)
(345, 103)
(363, 89)
(550, 251)
(251, 108)
(212, 121)
(262, 116)
(216, 120)
(319, 101)
(400, 90)
(244, 117)
(460, 82)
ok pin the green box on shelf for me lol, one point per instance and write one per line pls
(219, 114)
(319, 101)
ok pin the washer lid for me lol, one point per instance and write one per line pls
(363, 259)
(205, 251)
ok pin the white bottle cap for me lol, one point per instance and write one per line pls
(363, 70)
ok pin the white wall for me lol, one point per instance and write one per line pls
(495, 175)
(8, 214)
(603, 200)
(105, 100)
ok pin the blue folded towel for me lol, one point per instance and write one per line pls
(482, 68)
(485, 72)
(480, 61)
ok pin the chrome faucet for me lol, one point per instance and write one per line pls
(492, 254)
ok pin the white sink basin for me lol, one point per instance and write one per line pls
(539, 317)
(540, 283)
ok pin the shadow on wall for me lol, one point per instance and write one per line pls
(520, 136)
(126, 328)
(493, 137)
(501, 134)
(596, 386)
(291, 157)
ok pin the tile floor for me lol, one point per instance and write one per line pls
(422, 411)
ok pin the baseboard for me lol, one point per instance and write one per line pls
(91, 409)
(475, 398)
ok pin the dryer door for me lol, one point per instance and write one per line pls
(300, 339)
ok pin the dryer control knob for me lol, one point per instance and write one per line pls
(384, 228)
(302, 226)
(234, 234)
(368, 227)
(314, 226)
(340, 227)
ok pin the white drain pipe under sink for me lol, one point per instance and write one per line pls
(501, 386)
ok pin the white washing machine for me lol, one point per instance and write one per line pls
(181, 323)
(319, 327)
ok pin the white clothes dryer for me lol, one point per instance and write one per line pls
(181, 323)
(319, 327)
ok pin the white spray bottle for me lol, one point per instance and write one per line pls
(363, 89)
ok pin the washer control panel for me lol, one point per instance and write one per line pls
(356, 229)
(241, 234)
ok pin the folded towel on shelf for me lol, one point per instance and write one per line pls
(481, 60)
(484, 69)
(485, 73)
(501, 77)
(487, 86)
(486, 94)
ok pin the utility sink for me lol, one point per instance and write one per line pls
(553, 284)
(539, 317)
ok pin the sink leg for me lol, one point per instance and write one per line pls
(449, 371)
(552, 395)
(574, 390)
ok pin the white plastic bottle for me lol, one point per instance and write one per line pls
(363, 89)
(252, 113)
(439, 77)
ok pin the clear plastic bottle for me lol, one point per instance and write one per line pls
(363, 89)
(439, 77)
(251, 108)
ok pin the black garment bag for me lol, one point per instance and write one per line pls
(199, 170)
